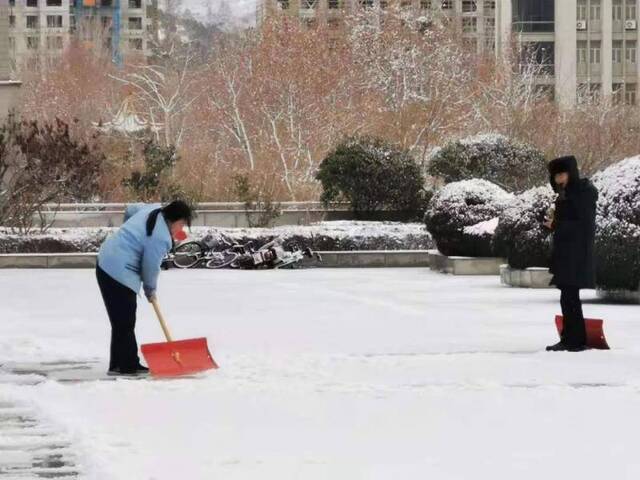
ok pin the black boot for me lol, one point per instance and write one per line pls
(558, 347)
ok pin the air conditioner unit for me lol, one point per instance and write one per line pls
(581, 25)
(630, 24)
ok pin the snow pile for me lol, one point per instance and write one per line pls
(511, 164)
(465, 204)
(618, 226)
(483, 228)
(340, 235)
(520, 237)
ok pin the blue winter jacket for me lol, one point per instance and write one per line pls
(131, 257)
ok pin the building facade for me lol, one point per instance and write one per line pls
(8, 87)
(585, 48)
(44, 28)
(593, 44)
(476, 17)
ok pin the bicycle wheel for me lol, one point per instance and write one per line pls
(221, 259)
(187, 255)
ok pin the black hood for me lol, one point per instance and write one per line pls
(567, 164)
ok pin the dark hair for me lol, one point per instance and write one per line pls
(176, 210)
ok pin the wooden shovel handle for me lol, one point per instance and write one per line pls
(163, 324)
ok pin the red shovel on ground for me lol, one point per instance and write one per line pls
(182, 357)
(595, 333)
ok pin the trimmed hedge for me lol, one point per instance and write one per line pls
(520, 237)
(512, 165)
(465, 204)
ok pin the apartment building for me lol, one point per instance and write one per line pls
(590, 46)
(40, 28)
(8, 87)
(476, 17)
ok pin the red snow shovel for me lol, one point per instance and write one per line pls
(172, 359)
(595, 333)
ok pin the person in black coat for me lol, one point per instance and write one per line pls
(572, 264)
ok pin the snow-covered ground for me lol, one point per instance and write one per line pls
(329, 374)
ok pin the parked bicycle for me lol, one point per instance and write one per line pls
(207, 252)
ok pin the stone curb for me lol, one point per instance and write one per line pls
(464, 265)
(528, 278)
(334, 259)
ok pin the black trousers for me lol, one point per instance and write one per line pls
(121, 304)
(574, 332)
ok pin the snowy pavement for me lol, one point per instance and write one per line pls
(325, 374)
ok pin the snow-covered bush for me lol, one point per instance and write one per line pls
(513, 165)
(456, 214)
(520, 237)
(340, 236)
(617, 248)
(372, 175)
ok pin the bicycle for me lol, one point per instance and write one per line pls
(271, 255)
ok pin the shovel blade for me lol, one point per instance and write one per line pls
(595, 332)
(183, 357)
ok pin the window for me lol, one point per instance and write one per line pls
(135, 44)
(135, 3)
(630, 52)
(533, 16)
(630, 11)
(469, 24)
(54, 21)
(630, 94)
(308, 4)
(581, 14)
(616, 10)
(106, 22)
(582, 52)
(283, 4)
(425, 4)
(33, 43)
(405, 3)
(469, 6)
(366, 3)
(617, 52)
(135, 23)
(594, 10)
(384, 4)
(333, 23)
(106, 3)
(54, 43)
(335, 4)
(32, 21)
(489, 4)
(54, 3)
(72, 23)
(618, 93)
(12, 3)
(594, 53)
(32, 3)
(12, 21)
(447, 4)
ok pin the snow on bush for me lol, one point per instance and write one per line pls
(465, 204)
(520, 237)
(342, 235)
(513, 165)
(617, 247)
(372, 175)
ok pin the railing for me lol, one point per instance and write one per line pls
(534, 27)
(204, 206)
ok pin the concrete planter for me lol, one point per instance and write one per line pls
(48, 260)
(533, 277)
(334, 259)
(619, 296)
(465, 265)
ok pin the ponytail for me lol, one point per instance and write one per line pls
(176, 210)
(151, 221)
